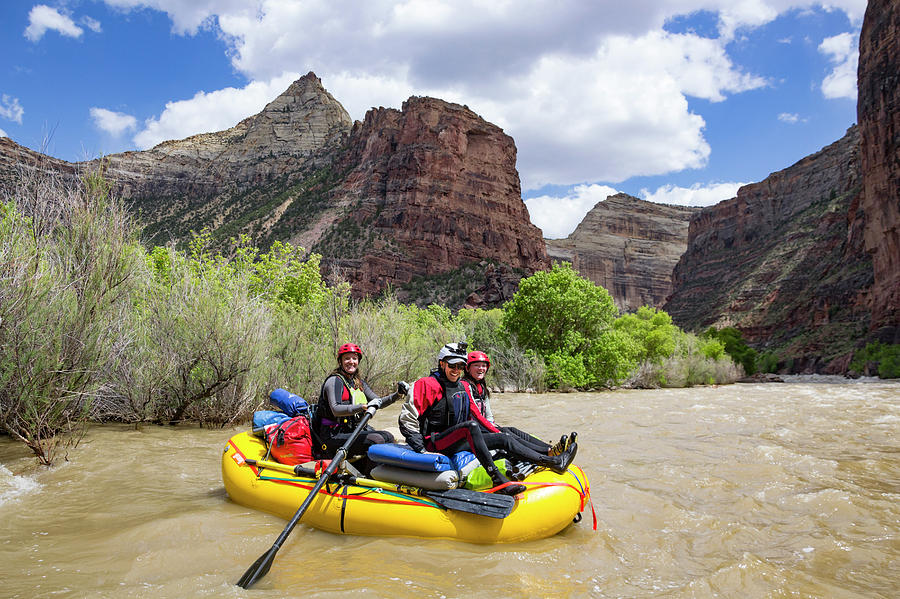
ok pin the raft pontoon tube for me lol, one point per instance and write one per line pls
(550, 503)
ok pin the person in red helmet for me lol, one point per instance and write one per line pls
(477, 365)
(439, 415)
(342, 401)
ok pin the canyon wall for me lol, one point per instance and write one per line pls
(878, 114)
(629, 247)
(784, 262)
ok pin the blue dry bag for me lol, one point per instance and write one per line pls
(290, 404)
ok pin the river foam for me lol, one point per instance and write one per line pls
(13, 487)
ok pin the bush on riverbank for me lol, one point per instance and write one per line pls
(68, 264)
(574, 327)
(878, 357)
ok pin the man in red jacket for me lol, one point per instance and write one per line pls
(439, 415)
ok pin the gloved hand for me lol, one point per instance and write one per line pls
(375, 403)
(402, 388)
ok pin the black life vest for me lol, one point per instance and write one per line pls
(451, 409)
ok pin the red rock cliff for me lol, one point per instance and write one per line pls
(433, 187)
(878, 113)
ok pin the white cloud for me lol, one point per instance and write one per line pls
(11, 109)
(358, 92)
(558, 216)
(843, 52)
(42, 18)
(790, 117)
(213, 111)
(3, 133)
(590, 91)
(92, 24)
(559, 79)
(114, 123)
(188, 16)
(696, 195)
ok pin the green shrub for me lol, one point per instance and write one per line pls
(558, 310)
(735, 346)
(67, 258)
(562, 317)
(885, 357)
(767, 362)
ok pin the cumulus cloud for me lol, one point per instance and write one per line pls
(43, 18)
(843, 52)
(212, 111)
(561, 79)
(589, 92)
(114, 123)
(558, 216)
(189, 16)
(697, 194)
(11, 109)
(620, 113)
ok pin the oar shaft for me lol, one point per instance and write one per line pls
(261, 566)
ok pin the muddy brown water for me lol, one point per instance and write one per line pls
(779, 490)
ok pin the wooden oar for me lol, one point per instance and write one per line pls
(461, 500)
(261, 566)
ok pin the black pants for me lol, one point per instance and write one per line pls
(468, 436)
(531, 441)
(330, 439)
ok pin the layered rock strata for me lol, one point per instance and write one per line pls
(431, 187)
(878, 114)
(784, 261)
(629, 247)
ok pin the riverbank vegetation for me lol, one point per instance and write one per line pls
(95, 327)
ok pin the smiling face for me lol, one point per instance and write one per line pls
(349, 363)
(452, 371)
(477, 370)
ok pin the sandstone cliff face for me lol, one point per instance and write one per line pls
(228, 178)
(17, 161)
(808, 261)
(434, 187)
(878, 113)
(629, 247)
(784, 261)
(292, 128)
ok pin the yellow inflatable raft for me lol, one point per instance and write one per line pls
(548, 505)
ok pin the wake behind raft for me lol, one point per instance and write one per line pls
(367, 506)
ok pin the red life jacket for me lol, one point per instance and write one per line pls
(290, 441)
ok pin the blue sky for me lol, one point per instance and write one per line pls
(676, 101)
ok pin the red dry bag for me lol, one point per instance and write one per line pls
(290, 441)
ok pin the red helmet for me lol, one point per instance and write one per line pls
(477, 356)
(349, 348)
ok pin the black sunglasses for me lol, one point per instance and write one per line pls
(457, 366)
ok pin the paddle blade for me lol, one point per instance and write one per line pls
(259, 568)
(473, 502)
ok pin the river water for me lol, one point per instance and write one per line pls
(768, 490)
